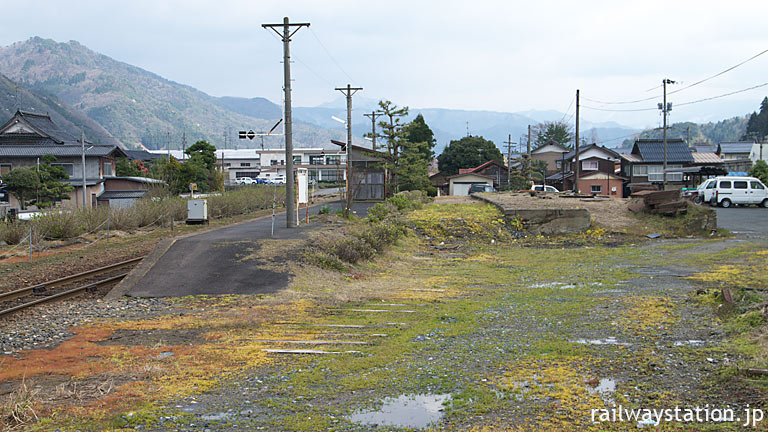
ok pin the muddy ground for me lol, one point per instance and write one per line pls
(483, 336)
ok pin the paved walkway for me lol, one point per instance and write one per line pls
(210, 263)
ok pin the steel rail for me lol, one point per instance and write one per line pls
(42, 287)
(62, 295)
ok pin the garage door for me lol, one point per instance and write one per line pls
(463, 188)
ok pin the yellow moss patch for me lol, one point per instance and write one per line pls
(647, 313)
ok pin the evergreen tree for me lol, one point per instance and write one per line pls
(23, 184)
(468, 152)
(51, 183)
(553, 133)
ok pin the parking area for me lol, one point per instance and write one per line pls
(745, 221)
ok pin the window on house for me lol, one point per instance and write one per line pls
(316, 159)
(108, 168)
(559, 163)
(5, 169)
(640, 170)
(297, 160)
(333, 160)
(596, 189)
(273, 162)
(68, 168)
(245, 164)
(589, 165)
(227, 164)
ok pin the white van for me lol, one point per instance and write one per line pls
(738, 190)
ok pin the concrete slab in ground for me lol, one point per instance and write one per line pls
(211, 263)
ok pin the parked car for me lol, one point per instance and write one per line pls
(481, 187)
(704, 191)
(278, 180)
(544, 188)
(244, 181)
(728, 191)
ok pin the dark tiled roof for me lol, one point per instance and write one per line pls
(734, 147)
(653, 151)
(58, 150)
(77, 182)
(704, 148)
(130, 194)
(44, 124)
(142, 155)
(572, 153)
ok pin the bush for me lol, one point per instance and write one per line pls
(325, 261)
(56, 225)
(13, 232)
(379, 235)
(352, 250)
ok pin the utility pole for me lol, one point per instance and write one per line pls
(168, 144)
(577, 168)
(665, 111)
(372, 115)
(509, 156)
(82, 142)
(528, 154)
(183, 146)
(290, 191)
(348, 91)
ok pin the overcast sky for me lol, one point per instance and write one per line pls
(484, 55)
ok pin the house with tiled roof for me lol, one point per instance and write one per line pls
(597, 172)
(644, 165)
(27, 137)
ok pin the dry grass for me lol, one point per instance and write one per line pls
(611, 213)
(18, 408)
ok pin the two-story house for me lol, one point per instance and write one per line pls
(27, 137)
(597, 172)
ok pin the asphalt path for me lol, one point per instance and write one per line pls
(745, 221)
(211, 263)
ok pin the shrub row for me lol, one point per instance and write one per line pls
(404, 201)
(155, 211)
(359, 244)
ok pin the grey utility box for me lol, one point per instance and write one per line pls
(197, 211)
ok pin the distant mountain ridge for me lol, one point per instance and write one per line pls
(137, 106)
(71, 120)
(118, 102)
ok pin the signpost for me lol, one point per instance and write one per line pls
(302, 187)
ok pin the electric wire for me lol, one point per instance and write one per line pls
(330, 56)
(683, 88)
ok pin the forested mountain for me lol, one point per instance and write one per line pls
(137, 106)
(732, 129)
(71, 120)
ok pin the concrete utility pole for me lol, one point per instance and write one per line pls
(183, 146)
(664, 111)
(348, 91)
(528, 153)
(372, 115)
(290, 189)
(82, 142)
(577, 169)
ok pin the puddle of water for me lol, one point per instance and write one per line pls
(415, 411)
(606, 386)
(216, 416)
(692, 342)
(607, 341)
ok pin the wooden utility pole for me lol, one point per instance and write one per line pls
(509, 156)
(372, 115)
(290, 187)
(665, 111)
(82, 143)
(577, 169)
(348, 91)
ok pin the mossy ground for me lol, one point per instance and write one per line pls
(518, 335)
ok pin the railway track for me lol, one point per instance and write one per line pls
(64, 288)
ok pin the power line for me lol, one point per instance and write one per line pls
(567, 111)
(723, 95)
(683, 88)
(331, 56)
(619, 110)
(312, 71)
(720, 73)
